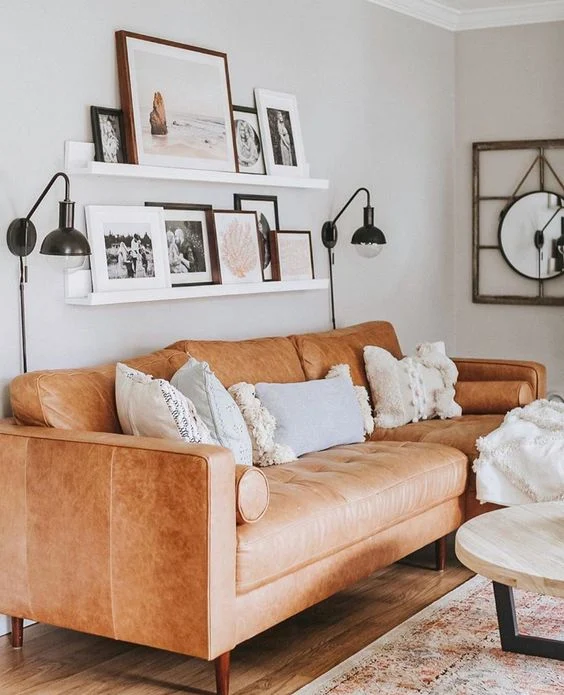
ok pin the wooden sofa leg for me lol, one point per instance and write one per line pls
(440, 554)
(222, 674)
(17, 633)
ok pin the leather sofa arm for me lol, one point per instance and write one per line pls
(113, 535)
(492, 397)
(471, 369)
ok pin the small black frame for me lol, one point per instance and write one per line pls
(98, 136)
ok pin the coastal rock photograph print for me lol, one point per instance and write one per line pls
(180, 103)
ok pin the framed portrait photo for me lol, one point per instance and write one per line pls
(190, 243)
(128, 248)
(292, 255)
(108, 135)
(281, 133)
(247, 141)
(266, 209)
(238, 246)
(176, 102)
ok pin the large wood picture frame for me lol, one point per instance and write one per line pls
(170, 120)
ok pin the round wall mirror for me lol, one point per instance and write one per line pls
(531, 235)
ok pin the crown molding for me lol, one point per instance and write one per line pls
(425, 10)
(434, 12)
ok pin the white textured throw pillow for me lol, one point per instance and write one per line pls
(361, 395)
(150, 407)
(411, 389)
(216, 408)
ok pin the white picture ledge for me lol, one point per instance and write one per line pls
(79, 161)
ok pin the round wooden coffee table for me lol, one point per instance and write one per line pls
(518, 547)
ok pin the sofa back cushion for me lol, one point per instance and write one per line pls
(321, 351)
(82, 399)
(273, 360)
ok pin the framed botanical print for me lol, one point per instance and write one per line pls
(266, 209)
(281, 133)
(190, 243)
(176, 101)
(128, 249)
(247, 140)
(238, 246)
(292, 255)
(108, 135)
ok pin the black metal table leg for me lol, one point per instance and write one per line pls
(511, 640)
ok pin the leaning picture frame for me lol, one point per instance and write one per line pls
(266, 209)
(108, 133)
(248, 142)
(292, 254)
(128, 248)
(190, 243)
(238, 246)
(281, 133)
(176, 101)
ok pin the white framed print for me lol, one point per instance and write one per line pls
(191, 244)
(176, 102)
(238, 246)
(281, 133)
(128, 247)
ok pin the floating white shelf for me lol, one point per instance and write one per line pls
(195, 292)
(79, 158)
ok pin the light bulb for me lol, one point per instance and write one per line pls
(368, 250)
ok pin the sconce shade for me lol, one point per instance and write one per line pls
(368, 239)
(65, 240)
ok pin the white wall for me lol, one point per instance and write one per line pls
(376, 96)
(509, 86)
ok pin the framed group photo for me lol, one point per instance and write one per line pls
(281, 133)
(108, 135)
(238, 246)
(292, 255)
(128, 247)
(248, 142)
(176, 101)
(266, 209)
(190, 243)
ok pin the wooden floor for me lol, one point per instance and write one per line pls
(279, 661)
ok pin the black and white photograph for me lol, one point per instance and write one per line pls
(128, 248)
(108, 135)
(280, 130)
(266, 209)
(178, 104)
(281, 134)
(190, 243)
(247, 140)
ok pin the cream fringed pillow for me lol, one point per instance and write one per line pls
(411, 389)
(262, 427)
(361, 395)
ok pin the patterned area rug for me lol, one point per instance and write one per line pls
(452, 648)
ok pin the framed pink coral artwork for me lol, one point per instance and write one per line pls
(238, 246)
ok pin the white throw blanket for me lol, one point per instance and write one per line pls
(523, 460)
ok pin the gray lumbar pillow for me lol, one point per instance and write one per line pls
(216, 408)
(313, 415)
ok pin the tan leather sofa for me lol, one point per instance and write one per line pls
(153, 541)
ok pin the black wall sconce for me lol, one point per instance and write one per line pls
(368, 239)
(65, 240)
